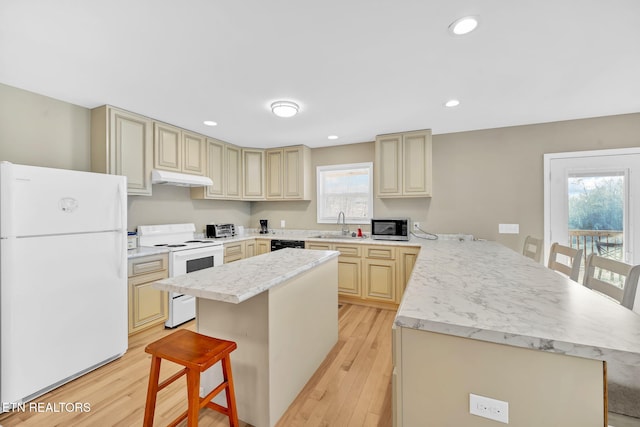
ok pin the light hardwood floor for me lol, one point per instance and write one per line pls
(352, 387)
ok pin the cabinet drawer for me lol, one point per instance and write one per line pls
(318, 246)
(233, 249)
(147, 264)
(381, 252)
(348, 250)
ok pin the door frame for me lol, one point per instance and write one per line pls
(547, 181)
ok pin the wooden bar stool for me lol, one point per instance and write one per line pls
(196, 353)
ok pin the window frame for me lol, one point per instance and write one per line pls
(320, 193)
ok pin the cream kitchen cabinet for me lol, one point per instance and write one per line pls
(407, 256)
(178, 150)
(403, 166)
(250, 248)
(147, 306)
(224, 167)
(380, 273)
(253, 187)
(263, 246)
(234, 251)
(349, 266)
(349, 269)
(288, 173)
(122, 144)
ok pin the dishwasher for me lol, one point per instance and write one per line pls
(282, 244)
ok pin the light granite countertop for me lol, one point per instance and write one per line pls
(142, 251)
(485, 291)
(238, 281)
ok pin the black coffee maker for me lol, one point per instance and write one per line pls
(264, 228)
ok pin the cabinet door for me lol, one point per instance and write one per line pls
(249, 248)
(233, 252)
(167, 147)
(349, 276)
(263, 246)
(293, 184)
(233, 166)
(193, 153)
(274, 175)
(388, 149)
(215, 169)
(416, 164)
(131, 153)
(407, 259)
(253, 174)
(147, 305)
(380, 279)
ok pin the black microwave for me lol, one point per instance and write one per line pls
(390, 229)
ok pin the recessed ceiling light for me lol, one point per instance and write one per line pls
(332, 137)
(463, 25)
(210, 123)
(284, 108)
(452, 103)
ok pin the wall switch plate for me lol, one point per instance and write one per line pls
(282, 223)
(509, 228)
(487, 407)
(416, 225)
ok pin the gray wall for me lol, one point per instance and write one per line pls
(480, 178)
(41, 131)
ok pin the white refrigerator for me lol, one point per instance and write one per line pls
(63, 276)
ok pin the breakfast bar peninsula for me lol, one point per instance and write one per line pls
(281, 308)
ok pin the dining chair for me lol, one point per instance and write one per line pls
(573, 257)
(625, 295)
(532, 248)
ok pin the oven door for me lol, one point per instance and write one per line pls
(182, 308)
(190, 260)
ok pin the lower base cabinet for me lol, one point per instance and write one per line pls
(263, 246)
(371, 274)
(147, 306)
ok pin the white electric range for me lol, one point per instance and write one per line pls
(186, 254)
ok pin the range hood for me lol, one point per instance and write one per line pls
(179, 179)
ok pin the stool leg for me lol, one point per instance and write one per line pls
(152, 392)
(193, 397)
(230, 391)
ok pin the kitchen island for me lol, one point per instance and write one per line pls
(281, 308)
(479, 318)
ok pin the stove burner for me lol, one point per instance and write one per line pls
(179, 245)
(194, 241)
(161, 244)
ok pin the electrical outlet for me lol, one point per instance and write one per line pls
(282, 223)
(416, 226)
(509, 228)
(487, 407)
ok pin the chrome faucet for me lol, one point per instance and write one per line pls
(345, 229)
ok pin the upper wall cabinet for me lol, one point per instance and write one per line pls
(178, 150)
(252, 174)
(224, 167)
(403, 164)
(288, 173)
(122, 144)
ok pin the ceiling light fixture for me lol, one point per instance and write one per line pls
(284, 108)
(210, 123)
(452, 103)
(464, 25)
(332, 137)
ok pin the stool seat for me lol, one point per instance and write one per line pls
(197, 353)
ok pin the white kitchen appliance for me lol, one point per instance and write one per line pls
(186, 254)
(63, 277)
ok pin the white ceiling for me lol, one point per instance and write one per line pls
(357, 68)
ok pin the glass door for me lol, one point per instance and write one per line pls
(591, 200)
